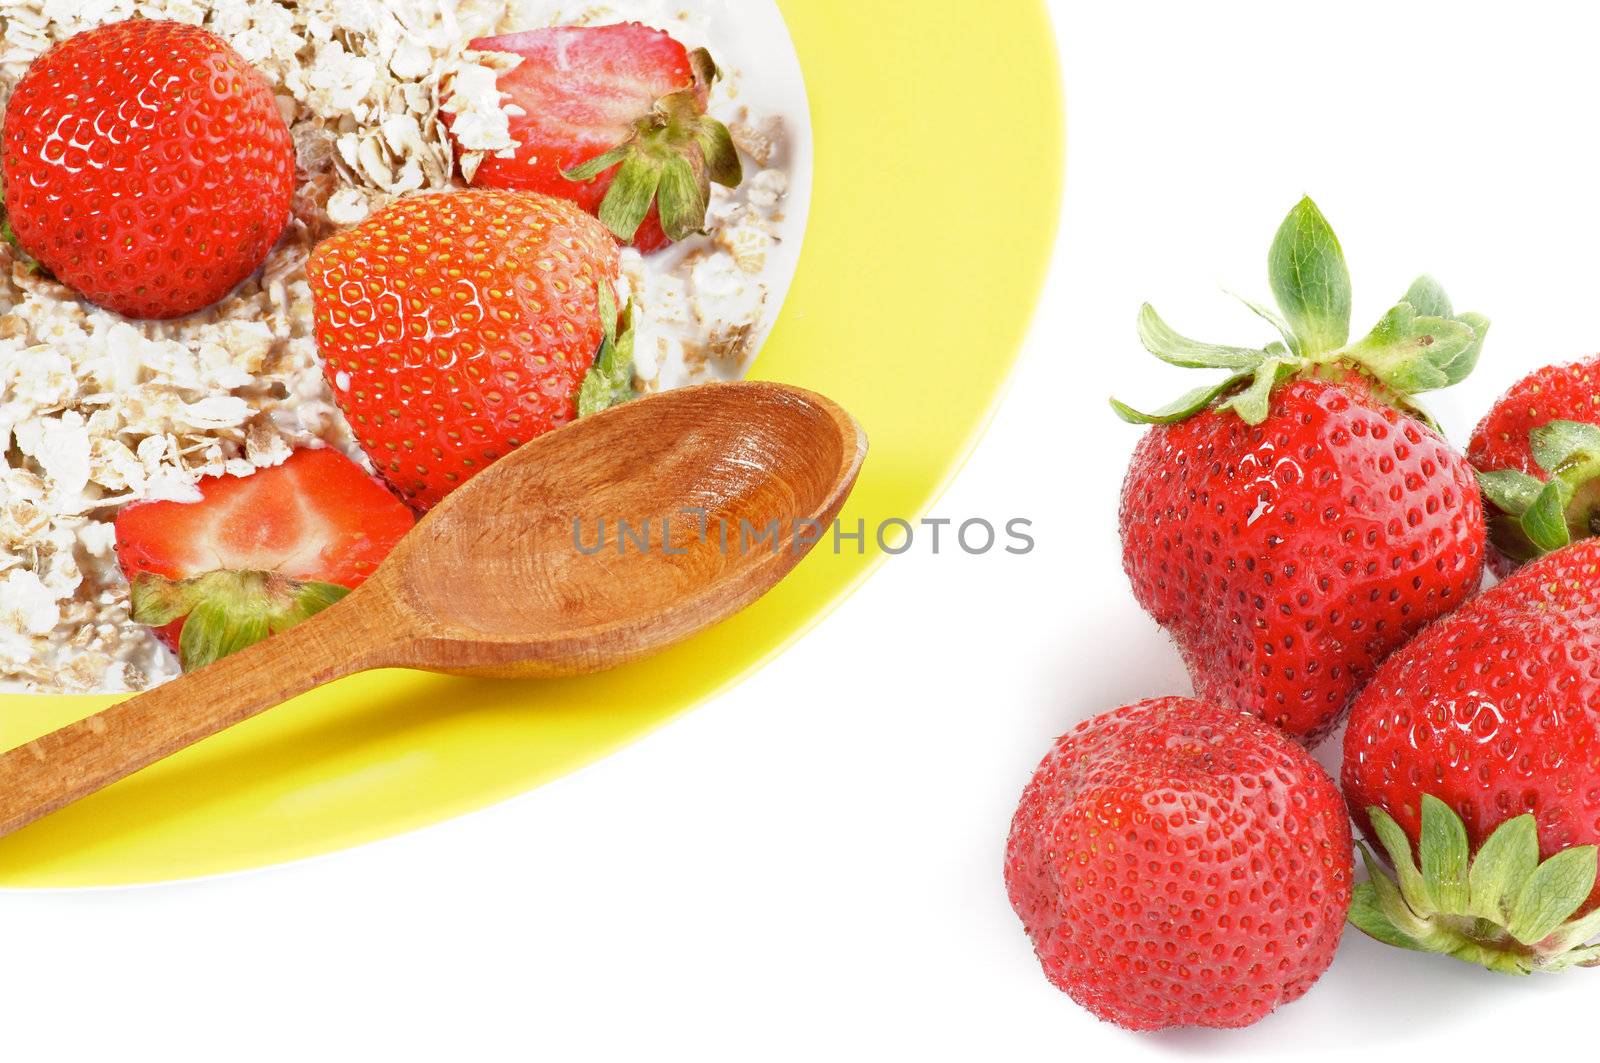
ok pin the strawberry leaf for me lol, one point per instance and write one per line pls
(704, 67)
(1511, 491)
(1398, 847)
(1427, 297)
(1561, 447)
(1378, 909)
(1253, 403)
(1444, 855)
(1182, 408)
(1412, 354)
(1573, 935)
(633, 189)
(599, 164)
(1509, 856)
(609, 381)
(214, 631)
(1307, 270)
(1161, 340)
(606, 306)
(157, 601)
(1552, 894)
(1462, 365)
(683, 196)
(1368, 915)
(720, 154)
(1545, 522)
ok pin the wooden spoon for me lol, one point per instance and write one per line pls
(503, 578)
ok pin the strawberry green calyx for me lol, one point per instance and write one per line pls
(223, 612)
(1540, 516)
(1502, 908)
(1420, 345)
(610, 380)
(671, 158)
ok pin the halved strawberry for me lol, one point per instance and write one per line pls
(257, 553)
(613, 118)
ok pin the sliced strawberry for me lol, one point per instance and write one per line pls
(257, 553)
(613, 118)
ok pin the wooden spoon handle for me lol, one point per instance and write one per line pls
(49, 773)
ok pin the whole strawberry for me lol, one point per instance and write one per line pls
(1483, 737)
(613, 118)
(1537, 452)
(1180, 864)
(456, 327)
(1292, 524)
(147, 166)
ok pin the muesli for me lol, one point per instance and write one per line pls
(383, 99)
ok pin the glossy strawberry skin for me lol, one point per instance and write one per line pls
(1287, 559)
(1177, 863)
(317, 516)
(1494, 710)
(1554, 393)
(456, 327)
(579, 90)
(147, 166)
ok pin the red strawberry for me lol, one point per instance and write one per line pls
(147, 166)
(613, 118)
(1538, 457)
(1483, 735)
(456, 327)
(1295, 523)
(1180, 864)
(257, 553)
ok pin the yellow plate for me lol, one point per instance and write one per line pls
(937, 129)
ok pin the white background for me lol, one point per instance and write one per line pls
(810, 867)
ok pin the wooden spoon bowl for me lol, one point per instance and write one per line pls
(657, 522)
(607, 541)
